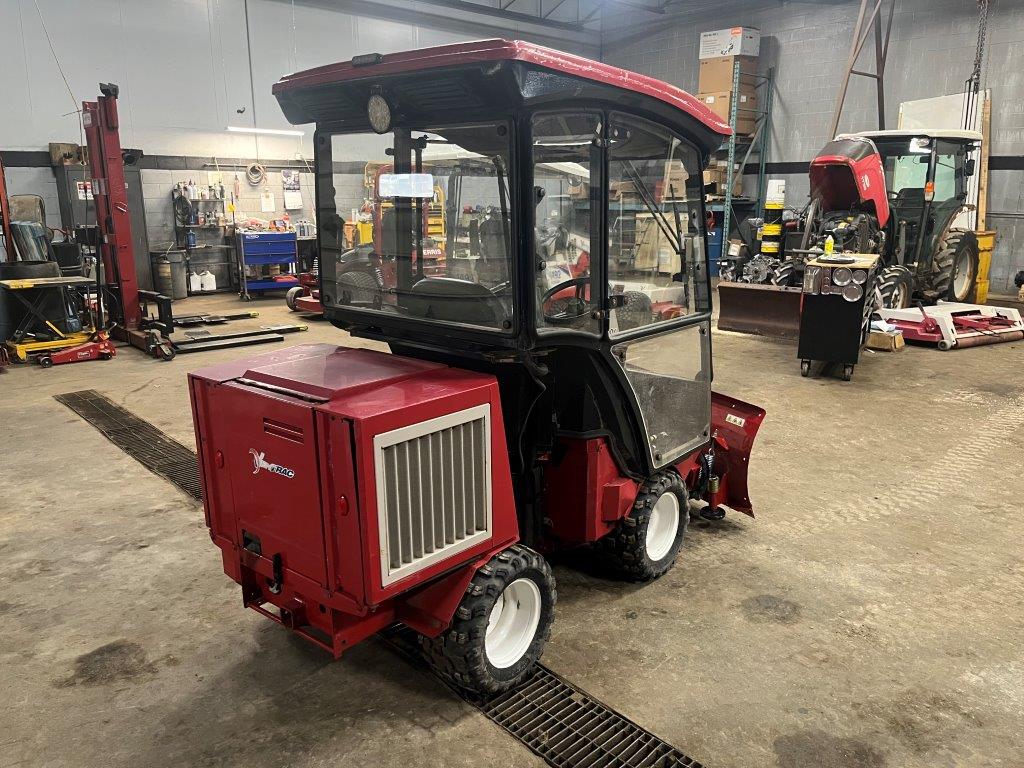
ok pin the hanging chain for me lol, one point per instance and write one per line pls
(979, 54)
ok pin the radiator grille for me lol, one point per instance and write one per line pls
(433, 490)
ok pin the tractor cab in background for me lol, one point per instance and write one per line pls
(550, 378)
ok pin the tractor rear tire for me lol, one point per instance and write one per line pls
(501, 626)
(896, 286)
(784, 274)
(645, 543)
(959, 249)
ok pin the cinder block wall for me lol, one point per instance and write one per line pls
(931, 54)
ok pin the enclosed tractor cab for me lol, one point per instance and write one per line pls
(540, 394)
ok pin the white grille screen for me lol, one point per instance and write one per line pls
(433, 490)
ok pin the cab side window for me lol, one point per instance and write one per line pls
(656, 267)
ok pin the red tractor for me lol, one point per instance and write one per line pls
(349, 490)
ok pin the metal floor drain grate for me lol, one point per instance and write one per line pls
(555, 720)
(570, 729)
(160, 454)
(560, 723)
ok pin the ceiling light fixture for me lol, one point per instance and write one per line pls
(270, 131)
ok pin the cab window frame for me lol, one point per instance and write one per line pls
(663, 326)
(373, 318)
(596, 226)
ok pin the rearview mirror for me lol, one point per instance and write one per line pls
(969, 166)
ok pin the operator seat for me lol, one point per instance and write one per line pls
(456, 301)
(909, 203)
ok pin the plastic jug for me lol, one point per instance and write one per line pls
(195, 283)
(208, 281)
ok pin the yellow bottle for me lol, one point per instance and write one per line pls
(830, 246)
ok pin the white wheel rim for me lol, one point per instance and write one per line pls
(902, 301)
(662, 526)
(961, 279)
(513, 623)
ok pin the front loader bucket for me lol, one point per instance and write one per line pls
(765, 310)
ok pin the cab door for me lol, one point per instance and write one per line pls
(657, 302)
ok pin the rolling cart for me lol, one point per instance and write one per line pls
(259, 252)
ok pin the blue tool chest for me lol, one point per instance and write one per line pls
(260, 250)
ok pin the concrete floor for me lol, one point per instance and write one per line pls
(871, 616)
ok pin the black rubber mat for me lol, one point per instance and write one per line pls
(160, 454)
(554, 719)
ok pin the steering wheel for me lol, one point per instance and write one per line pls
(574, 308)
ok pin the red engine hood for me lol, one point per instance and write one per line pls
(848, 173)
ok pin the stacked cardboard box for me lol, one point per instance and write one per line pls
(719, 52)
(716, 173)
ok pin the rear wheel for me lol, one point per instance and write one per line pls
(501, 626)
(645, 543)
(896, 286)
(784, 274)
(955, 268)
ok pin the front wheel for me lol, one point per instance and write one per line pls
(501, 626)
(645, 543)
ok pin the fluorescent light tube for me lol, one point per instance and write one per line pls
(271, 131)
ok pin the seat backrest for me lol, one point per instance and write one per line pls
(454, 300)
(909, 202)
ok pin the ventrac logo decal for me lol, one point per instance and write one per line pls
(865, 181)
(259, 462)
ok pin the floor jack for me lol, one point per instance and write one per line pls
(949, 325)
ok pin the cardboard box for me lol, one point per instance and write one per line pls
(885, 342)
(735, 41)
(721, 103)
(716, 74)
(716, 175)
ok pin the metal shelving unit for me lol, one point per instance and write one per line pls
(181, 240)
(757, 143)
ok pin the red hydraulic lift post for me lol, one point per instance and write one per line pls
(5, 215)
(111, 199)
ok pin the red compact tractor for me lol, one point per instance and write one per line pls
(349, 489)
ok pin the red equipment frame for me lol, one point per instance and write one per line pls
(100, 120)
(5, 215)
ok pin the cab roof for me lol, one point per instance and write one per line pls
(455, 77)
(955, 134)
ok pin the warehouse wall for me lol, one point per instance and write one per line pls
(931, 54)
(183, 68)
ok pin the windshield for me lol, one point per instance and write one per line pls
(906, 168)
(415, 223)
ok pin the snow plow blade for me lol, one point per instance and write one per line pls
(765, 310)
